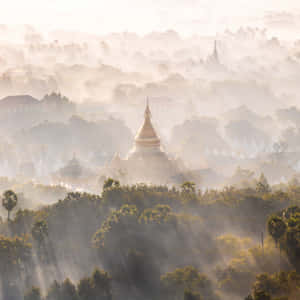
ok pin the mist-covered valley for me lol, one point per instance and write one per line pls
(155, 166)
(215, 106)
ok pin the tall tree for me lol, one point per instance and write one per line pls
(33, 294)
(111, 183)
(102, 283)
(276, 228)
(54, 293)
(85, 289)
(190, 295)
(262, 186)
(188, 192)
(9, 202)
(39, 232)
(188, 187)
(68, 291)
(261, 295)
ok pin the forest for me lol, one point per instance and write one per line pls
(155, 242)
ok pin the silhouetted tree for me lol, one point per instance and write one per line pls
(187, 280)
(262, 185)
(33, 294)
(39, 231)
(189, 295)
(54, 292)
(102, 285)
(276, 228)
(9, 202)
(188, 187)
(110, 183)
(85, 289)
(188, 192)
(261, 295)
(68, 291)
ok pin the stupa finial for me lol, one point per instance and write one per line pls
(147, 110)
(216, 55)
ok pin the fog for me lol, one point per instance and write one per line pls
(229, 98)
(149, 150)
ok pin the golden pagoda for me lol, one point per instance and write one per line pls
(146, 138)
(146, 162)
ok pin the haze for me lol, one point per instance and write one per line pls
(149, 150)
(185, 16)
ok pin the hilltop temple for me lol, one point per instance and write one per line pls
(146, 162)
(74, 172)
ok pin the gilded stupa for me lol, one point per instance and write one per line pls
(146, 161)
(146, 139)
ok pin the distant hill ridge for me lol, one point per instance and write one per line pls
(12, 101)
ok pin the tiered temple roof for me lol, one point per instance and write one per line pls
(146, 136)
(146, 162)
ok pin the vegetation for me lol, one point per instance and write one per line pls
(156, 242)
(9, 202)
(96, 287)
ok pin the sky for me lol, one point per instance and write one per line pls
(141, 16)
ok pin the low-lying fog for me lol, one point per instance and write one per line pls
(218, 102)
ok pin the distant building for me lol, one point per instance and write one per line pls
(146, 161)
(213, 59)
(74, 173)
(56, 103)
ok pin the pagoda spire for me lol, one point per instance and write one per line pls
(216, 55)
(147, 113)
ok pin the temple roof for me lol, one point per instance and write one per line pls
(74, 169)
(146, 135)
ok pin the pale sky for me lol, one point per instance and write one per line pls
(141, 16)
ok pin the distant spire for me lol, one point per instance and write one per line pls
(74, 160)
(216, 55)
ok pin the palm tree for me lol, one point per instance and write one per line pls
(9, 202)
(277, 229)
(40, 232)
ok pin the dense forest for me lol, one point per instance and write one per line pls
(154, 242)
